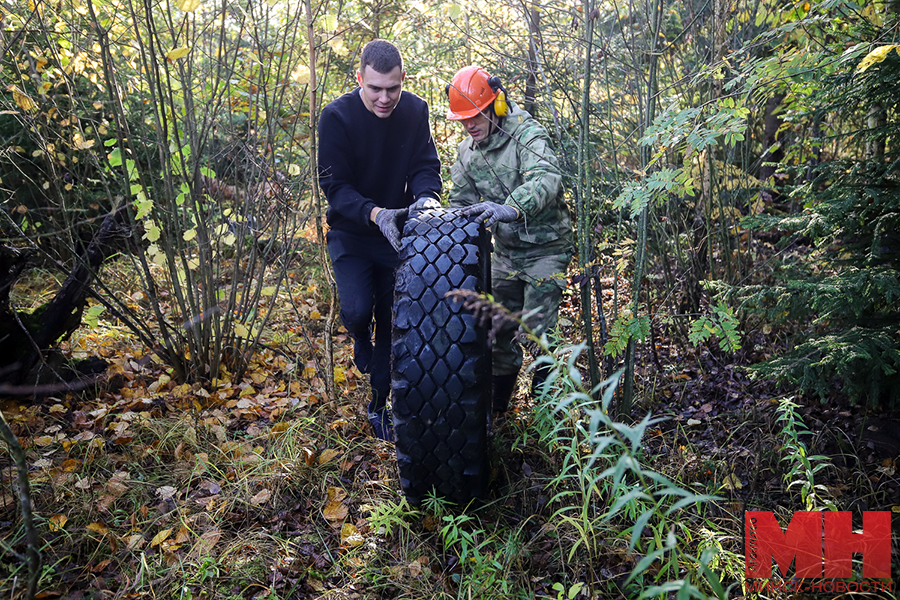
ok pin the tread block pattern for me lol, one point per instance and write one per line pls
(441, 367)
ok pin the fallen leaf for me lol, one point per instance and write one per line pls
(351, 536)
(211, 486)
(100, 566)
(118, 483)
(166, 492)
(160, 537)
(183, 535)
(206, 543)
(100, 528)
(70, 464)
(335, 511)
(261, 497)
(336, 494)
(57, 522)
(135, 542)
(732, 482)
(415, 568)
(694, 422)
(105, 502)
(328, 455)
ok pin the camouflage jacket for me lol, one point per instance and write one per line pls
(516, 166)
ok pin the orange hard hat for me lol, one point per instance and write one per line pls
(470, 93)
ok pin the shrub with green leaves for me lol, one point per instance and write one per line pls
(607, 495)
(841, 296)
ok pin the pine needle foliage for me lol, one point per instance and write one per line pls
(842, 297)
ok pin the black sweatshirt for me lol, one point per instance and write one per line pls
(366, 161)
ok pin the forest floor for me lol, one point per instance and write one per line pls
(261, 488)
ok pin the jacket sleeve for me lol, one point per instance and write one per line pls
(336, 172)
(541, 177)
(425, 167)
(464, 192)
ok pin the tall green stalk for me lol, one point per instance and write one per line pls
(583, 201)
(641, 249)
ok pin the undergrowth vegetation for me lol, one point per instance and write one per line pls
(728, 340)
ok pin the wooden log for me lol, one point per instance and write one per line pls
(25, 337)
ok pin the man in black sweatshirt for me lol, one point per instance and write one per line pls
(376, 158)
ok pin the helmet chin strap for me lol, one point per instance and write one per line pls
(495, 121)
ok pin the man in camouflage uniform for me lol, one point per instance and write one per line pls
(507, 175)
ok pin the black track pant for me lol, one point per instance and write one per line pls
(364, 272)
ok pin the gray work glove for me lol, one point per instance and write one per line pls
(491, 212)
(387, 220)
(425, 203)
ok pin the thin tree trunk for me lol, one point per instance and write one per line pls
(583, 204)
(534, 34)
(627, 402)
(876, 119)
(32, 541)
(320, 232)
(772, 123)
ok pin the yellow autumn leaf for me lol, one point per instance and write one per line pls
(84, 144)
(302, 75)
(732, 482)
(57, 522)
(336, 494)
(22, 99)
(70, 464)
(328, 455)
(187, 5)
(335, 511)
(874, 57)
(160, 537)
(351, 536)
(189, 234)
(241, 330)
(100, 528)
(177, 53)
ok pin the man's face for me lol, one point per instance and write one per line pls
(380, 91)
(479, 127)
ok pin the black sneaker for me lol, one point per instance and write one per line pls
(382, 424)
(362, 354)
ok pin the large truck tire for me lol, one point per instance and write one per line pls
(441, 362)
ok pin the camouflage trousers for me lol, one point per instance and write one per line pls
(523, 285)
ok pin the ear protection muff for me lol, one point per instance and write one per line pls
(501, 108)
